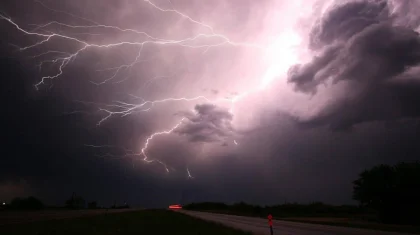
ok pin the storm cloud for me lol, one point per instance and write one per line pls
(238, 120)
(208, 123)
(370, 57)
(347, 19)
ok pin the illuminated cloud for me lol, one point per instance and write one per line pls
(368, 53)
(208, 123)
(345, 20)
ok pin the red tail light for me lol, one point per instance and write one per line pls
(175, 207)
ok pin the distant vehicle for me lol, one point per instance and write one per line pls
(175, 207)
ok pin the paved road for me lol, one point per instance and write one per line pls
(259, 226)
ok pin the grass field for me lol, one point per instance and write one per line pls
(154, 222)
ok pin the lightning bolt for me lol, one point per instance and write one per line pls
(123, 109)
(64, 61)
(120, 108)
(150, 138)
(189, 174)
(225, 38)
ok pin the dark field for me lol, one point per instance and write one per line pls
(18, 217)
(131, 222)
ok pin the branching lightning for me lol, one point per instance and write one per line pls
(119, 108)
(123, 109)
(146, 144)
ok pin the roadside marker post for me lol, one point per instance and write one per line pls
(270, 222)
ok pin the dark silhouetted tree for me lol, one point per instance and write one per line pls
(30, 203)
(93, 205)
(75, 202)
(393, 191)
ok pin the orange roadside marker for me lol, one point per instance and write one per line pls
(270, 223)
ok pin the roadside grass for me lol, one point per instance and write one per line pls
(137, 222)
(348, 222)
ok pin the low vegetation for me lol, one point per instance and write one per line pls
(19, 204)
(316, 209)
(75, 202)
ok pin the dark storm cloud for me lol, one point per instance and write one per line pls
(346, 20)
(369, 57)
(44, 152)
(378, 53)
(208, 123)
(387, 102)
(307, 77)
(42, 147)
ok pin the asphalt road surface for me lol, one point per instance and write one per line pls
(259, 226)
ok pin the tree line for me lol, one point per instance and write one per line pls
(314, 209)
(75, 202)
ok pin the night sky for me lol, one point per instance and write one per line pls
(178, 101)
